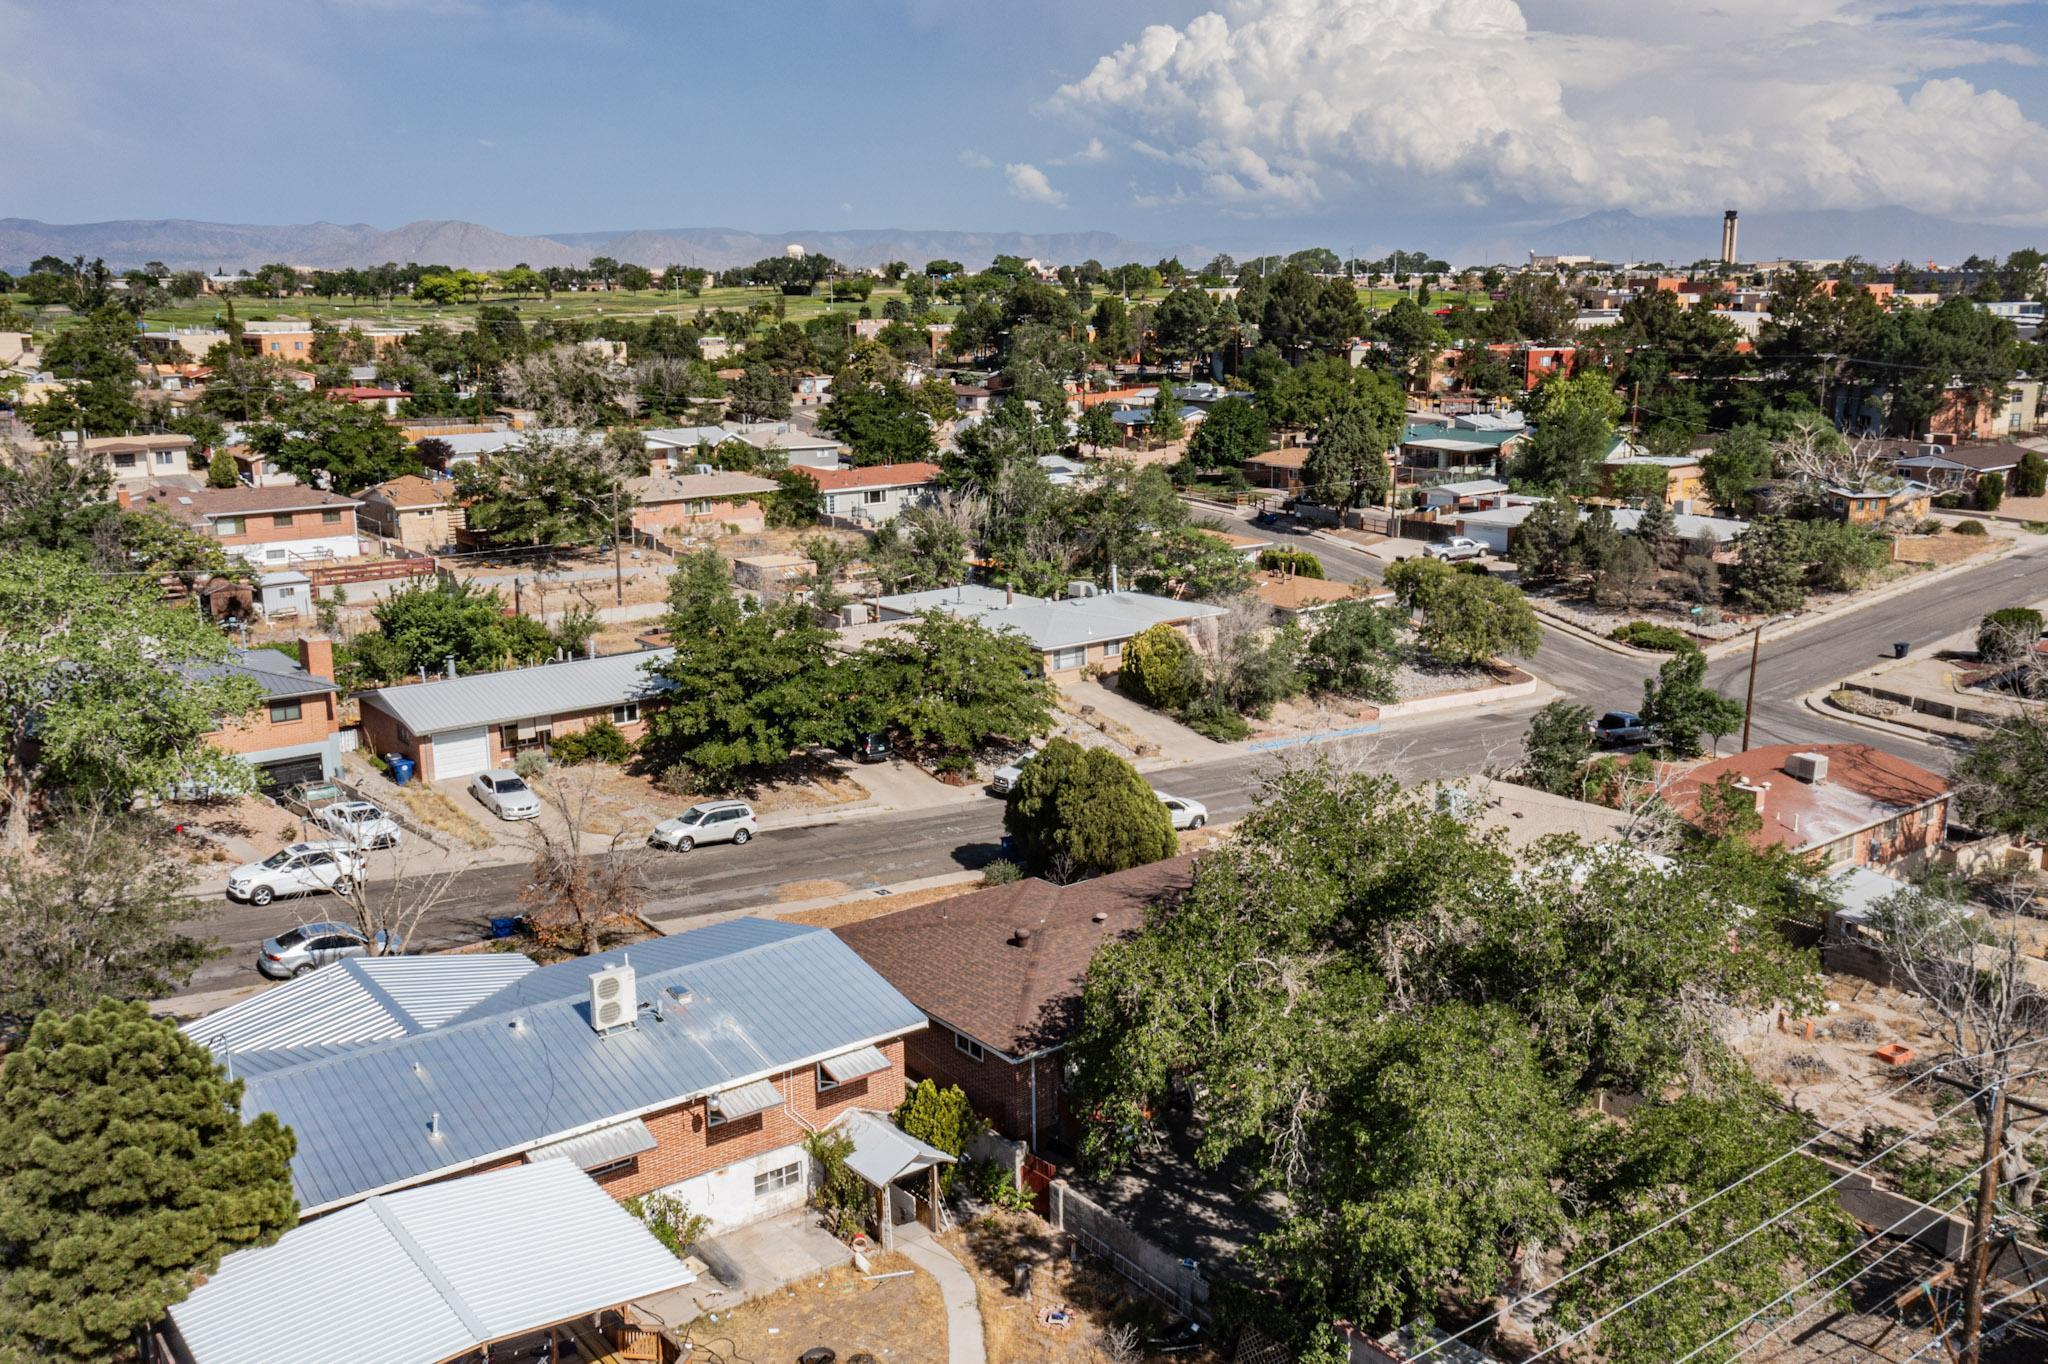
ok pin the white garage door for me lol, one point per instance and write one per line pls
(461, 752)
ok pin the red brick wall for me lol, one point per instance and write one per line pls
(999, 1090)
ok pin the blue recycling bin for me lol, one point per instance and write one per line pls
(504, 926)
(402, 767)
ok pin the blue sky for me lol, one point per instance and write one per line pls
(1347, 120)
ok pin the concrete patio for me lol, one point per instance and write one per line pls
(748, 1262)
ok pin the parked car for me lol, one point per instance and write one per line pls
(362, 824)
(715, 821)
(871, 748)
(301, 869)
(1620, 728)
(1005, 778)
(1457, 547)
(1185, 813)
(504, 795)
(298, 950)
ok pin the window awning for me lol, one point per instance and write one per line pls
(854, 1064)
(745, 1100)
(605, 1146)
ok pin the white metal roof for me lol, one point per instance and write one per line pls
(854, 1064)
(1061, 624)
(522, 693)
(884, 1152)
(427, 1274)
(359, 999)
(602, 1147)
(744, 1100)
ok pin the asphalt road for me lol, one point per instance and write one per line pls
(872, 851)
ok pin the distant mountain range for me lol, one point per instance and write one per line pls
(1881, 235)
(184, 244)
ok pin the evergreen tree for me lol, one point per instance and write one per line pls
(2030, 477)
(221, 471)
(1559, 741)
(126, 1172)
(1159, 668)
(1768, 577)
(1469, 620)
(1990, 490)
(1354, 649)
(1597, 539)
(1348, 465)
(942, 1118)
(1656, 532)
(1546, 543)
(1084, 812)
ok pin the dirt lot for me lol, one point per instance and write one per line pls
(624, 800)
(1097, 1301)
(226, 830)
(1944, 549)
(890, 1321)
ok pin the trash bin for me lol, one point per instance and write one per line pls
(505, 926)
(401, 767)
(1899, 648)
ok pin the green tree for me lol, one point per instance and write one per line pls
(1836, 555)
(798, 500)
(760, 394)
(97, 910)
(1740, 460)
(1232, 433)
(1680, 706)
(941, 1118)
(748, 688)
(2008, 634)
(952, 687)
(343, 446)
(2030, 476)
(222, 472)
(882, 422)
(2001, 781)
(1167, 425)
(546, 492)
(1348, 465)
(1573, 416)
(1084, 812)
(1097, 426)
(105, 691)
(423, 627)
(1546, 543)
(1160, 669)
(1657, 533)
(1990, 490)
(1768, 577)
(1558, 742)
(126, 1173)
(1469, 621)
(1353, 650)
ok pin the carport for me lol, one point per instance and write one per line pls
(888, 1157)
(443, 1272)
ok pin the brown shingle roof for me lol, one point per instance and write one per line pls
(1281, 459)
(408, 490)
(914, 474)
(960, 961)
(199, 504)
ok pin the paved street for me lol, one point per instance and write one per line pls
(878, 850)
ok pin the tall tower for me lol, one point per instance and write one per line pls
(1728, 237)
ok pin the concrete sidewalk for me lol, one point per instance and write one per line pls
(964, 1342)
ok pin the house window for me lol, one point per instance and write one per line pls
(284, 712)
(1069, 658)
(166, 457)
(967, 1047)
(780, 1178)
(1113, 649)
(626, 714)
(124, 461)
(281, 519)
(228, 525)
(332, 518)
(825, 1081)
(874, 495)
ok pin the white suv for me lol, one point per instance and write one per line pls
(364, 825)
(715, 821)
(301, 869)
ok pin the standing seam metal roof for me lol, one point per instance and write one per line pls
(522, 693)
(360, 999)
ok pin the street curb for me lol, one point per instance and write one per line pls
(1817, 702)
(1580, 632)
(776, 910)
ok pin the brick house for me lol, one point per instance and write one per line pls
(1839, 803)
(1281, 469)
(418, 514)
(716, 1052)
(873, 495)
(999, 973)
(265, 525)
(713, 503)
(293, 735)
(455, 727)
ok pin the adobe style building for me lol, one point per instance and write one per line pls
(1846, 804)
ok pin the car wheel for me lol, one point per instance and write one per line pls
(301, 969)
(343, 885)
(740, 836)
(262, 895)
(685, 843)
(1198, 821)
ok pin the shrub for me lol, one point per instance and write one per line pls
(2035, 527)
(1084, 812)
(1970, 528)
(1990, 491)
(670, 1221)
(1159, 668)
(531, 764)
(840, 1196)
(1001, 872)
(942, 1118)
(2030, 478)
(598, 743)
(1299, 562)
(1948, 501)
(2008, 634)
(1212, 719)
(1643, 634)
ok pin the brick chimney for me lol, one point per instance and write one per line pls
(316, 655)
(1757, 792)
(121, 498)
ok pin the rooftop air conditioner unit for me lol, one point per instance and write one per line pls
(1807, 767)
(612, 998)
(703, 469)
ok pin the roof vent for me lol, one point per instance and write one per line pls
(612, 998)
(434, 1126)
(1811, 768)
(1021, 937)
(1101, 917)
(681, 994)
(419, 1070)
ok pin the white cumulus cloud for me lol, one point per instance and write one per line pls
(975, 160)
(1028, 182)
(1278, 105)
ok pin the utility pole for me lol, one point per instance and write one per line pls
(618, 569)
(1756, 645)
(1977, 1262)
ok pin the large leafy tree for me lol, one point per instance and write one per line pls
(126, 1173)
(1353, 650)
(1384, 1015)
(1681, 707)
(343, 446)
(1574, 417)
(546, 492)
(1085, 811)
(104, 690)
(1232, 433)
(882, 422)
(1348, 465)
(2001, 780)
(952, 687)
(1469, 620)
(424, 627)
(96, 359)
(1556, 746)
(96, 909)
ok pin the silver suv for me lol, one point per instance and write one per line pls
(301, 869)
(715, 821)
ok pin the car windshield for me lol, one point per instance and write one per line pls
(282, 857)
(695, 816)
(291, 937)
(510, 785)
(1616, 720)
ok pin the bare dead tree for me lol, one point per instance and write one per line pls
(392, 909)
(566, 385)
(1814, 459)
(577, 898)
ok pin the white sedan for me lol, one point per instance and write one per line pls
(364, 825)
(504, 795)
(1185, 813)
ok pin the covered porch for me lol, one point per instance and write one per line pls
(903, 1172)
